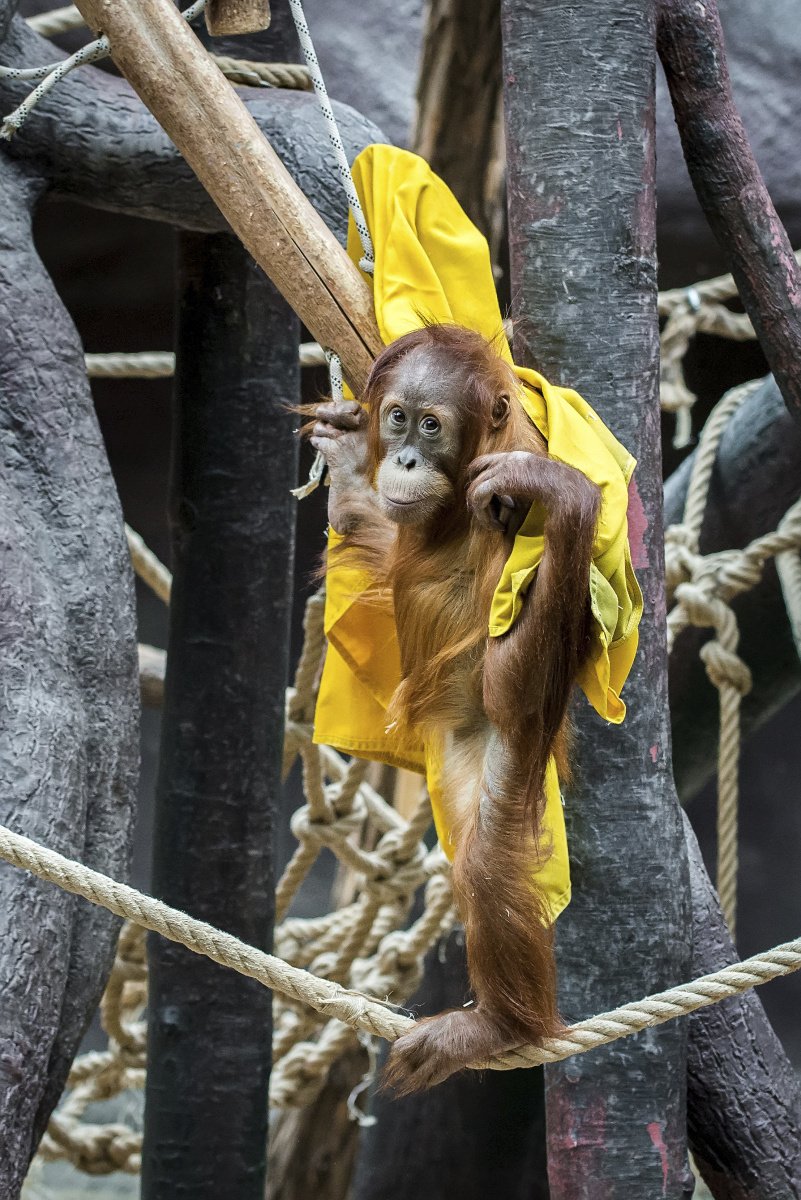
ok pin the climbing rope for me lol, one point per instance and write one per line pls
(367, 261)
(160, 364)
(147, 566)
(358, 1009)
(292, 76)
(58, 20)
(702, 589)
(343, 166)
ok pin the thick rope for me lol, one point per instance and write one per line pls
(688, 311)
(58, 20)
(149, 569)
(160, 364)
(363, 1012)
(703, 588)
(292, 76)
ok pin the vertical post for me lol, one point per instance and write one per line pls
(234, 462)
(579, 90)
(477, 1135)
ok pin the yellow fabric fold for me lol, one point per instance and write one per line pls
(433, 265)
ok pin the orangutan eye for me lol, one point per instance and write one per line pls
(397, 417)
(430, 425)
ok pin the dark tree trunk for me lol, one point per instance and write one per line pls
(744, 1102)
(729, 184)
(235, 459)
(756, 478)
(474, 1136)
(580, 108)
(68, 679)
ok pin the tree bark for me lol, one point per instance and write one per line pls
(579, 104)
(756, 478)
(68, 679)
(235, 459)
(744, 1101)
(473, 1136)
(729, 184)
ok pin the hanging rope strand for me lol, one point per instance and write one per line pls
(343, 166)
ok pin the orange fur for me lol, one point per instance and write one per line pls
(510, 693)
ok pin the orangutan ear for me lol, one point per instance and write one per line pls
(500, 411)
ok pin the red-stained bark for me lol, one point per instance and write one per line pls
(579, 83)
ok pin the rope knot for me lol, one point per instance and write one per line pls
(725, 668)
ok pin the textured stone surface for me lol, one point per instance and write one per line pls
(744, 1103)
(68, 683)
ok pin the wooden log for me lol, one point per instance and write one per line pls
(729, 184)
(580, 140)
(757, 477)
(475, 1136)
(181, 85)
(744, 1099)
(225, 17)
(95, 143)
(235, 459)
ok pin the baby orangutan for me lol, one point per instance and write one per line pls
(430, 481)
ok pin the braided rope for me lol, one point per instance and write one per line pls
(697, 309)
(147, 566)
(160, 364)
(360, 1011)
(58, 20)
(342, 164)
(292, 76)
(703, 588)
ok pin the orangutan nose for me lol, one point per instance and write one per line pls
(407, 457)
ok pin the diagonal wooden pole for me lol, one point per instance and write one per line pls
(188, 95)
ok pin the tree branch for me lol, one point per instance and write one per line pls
(730, 186)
